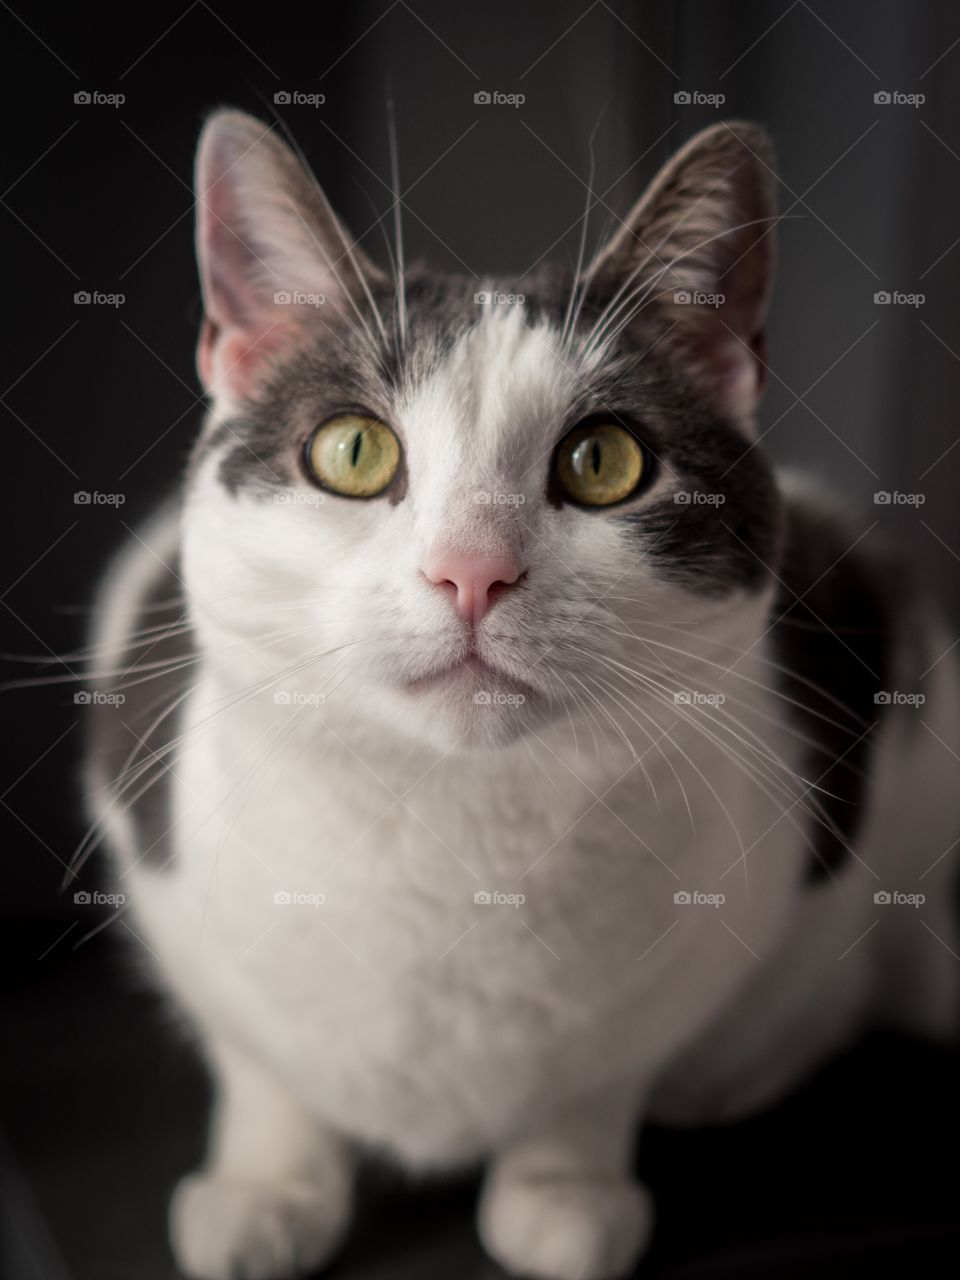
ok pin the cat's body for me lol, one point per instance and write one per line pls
(443, 916)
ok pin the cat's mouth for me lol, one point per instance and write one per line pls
(472, 675)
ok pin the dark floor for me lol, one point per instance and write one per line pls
(103, 1107)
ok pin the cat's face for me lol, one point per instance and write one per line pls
(469, 507)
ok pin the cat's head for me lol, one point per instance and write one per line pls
(462, 508)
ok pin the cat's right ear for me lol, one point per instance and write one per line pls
(265, 234)
(697, 251)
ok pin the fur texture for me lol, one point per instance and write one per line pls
(499, 892)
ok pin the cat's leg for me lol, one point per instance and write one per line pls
(562, 1205)
(274, 1197)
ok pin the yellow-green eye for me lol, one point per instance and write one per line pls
(600, 464)
(354, 455)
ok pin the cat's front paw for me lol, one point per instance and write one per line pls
(565, 1227)
(222, 1229)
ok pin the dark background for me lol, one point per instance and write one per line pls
(101, 1106)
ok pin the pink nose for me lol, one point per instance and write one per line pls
(476, 579)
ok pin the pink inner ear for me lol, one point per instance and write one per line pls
(740, 382)
(234, 357)
(244, 260)
(731, 369)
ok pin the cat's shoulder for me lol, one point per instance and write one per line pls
(830, 549)
(846, 631)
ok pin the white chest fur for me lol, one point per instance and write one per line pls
(433, 951)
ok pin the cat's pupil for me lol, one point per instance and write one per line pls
(357, 446)
(595, 456)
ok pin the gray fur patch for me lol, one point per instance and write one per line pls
(835, 632)
(125, 739)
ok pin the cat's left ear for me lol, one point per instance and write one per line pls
(697, 251)
(275, 263)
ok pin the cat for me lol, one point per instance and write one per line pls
(510, 754)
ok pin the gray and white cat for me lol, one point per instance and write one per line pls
(506, 758)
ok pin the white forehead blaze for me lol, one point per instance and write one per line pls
(480, 430)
